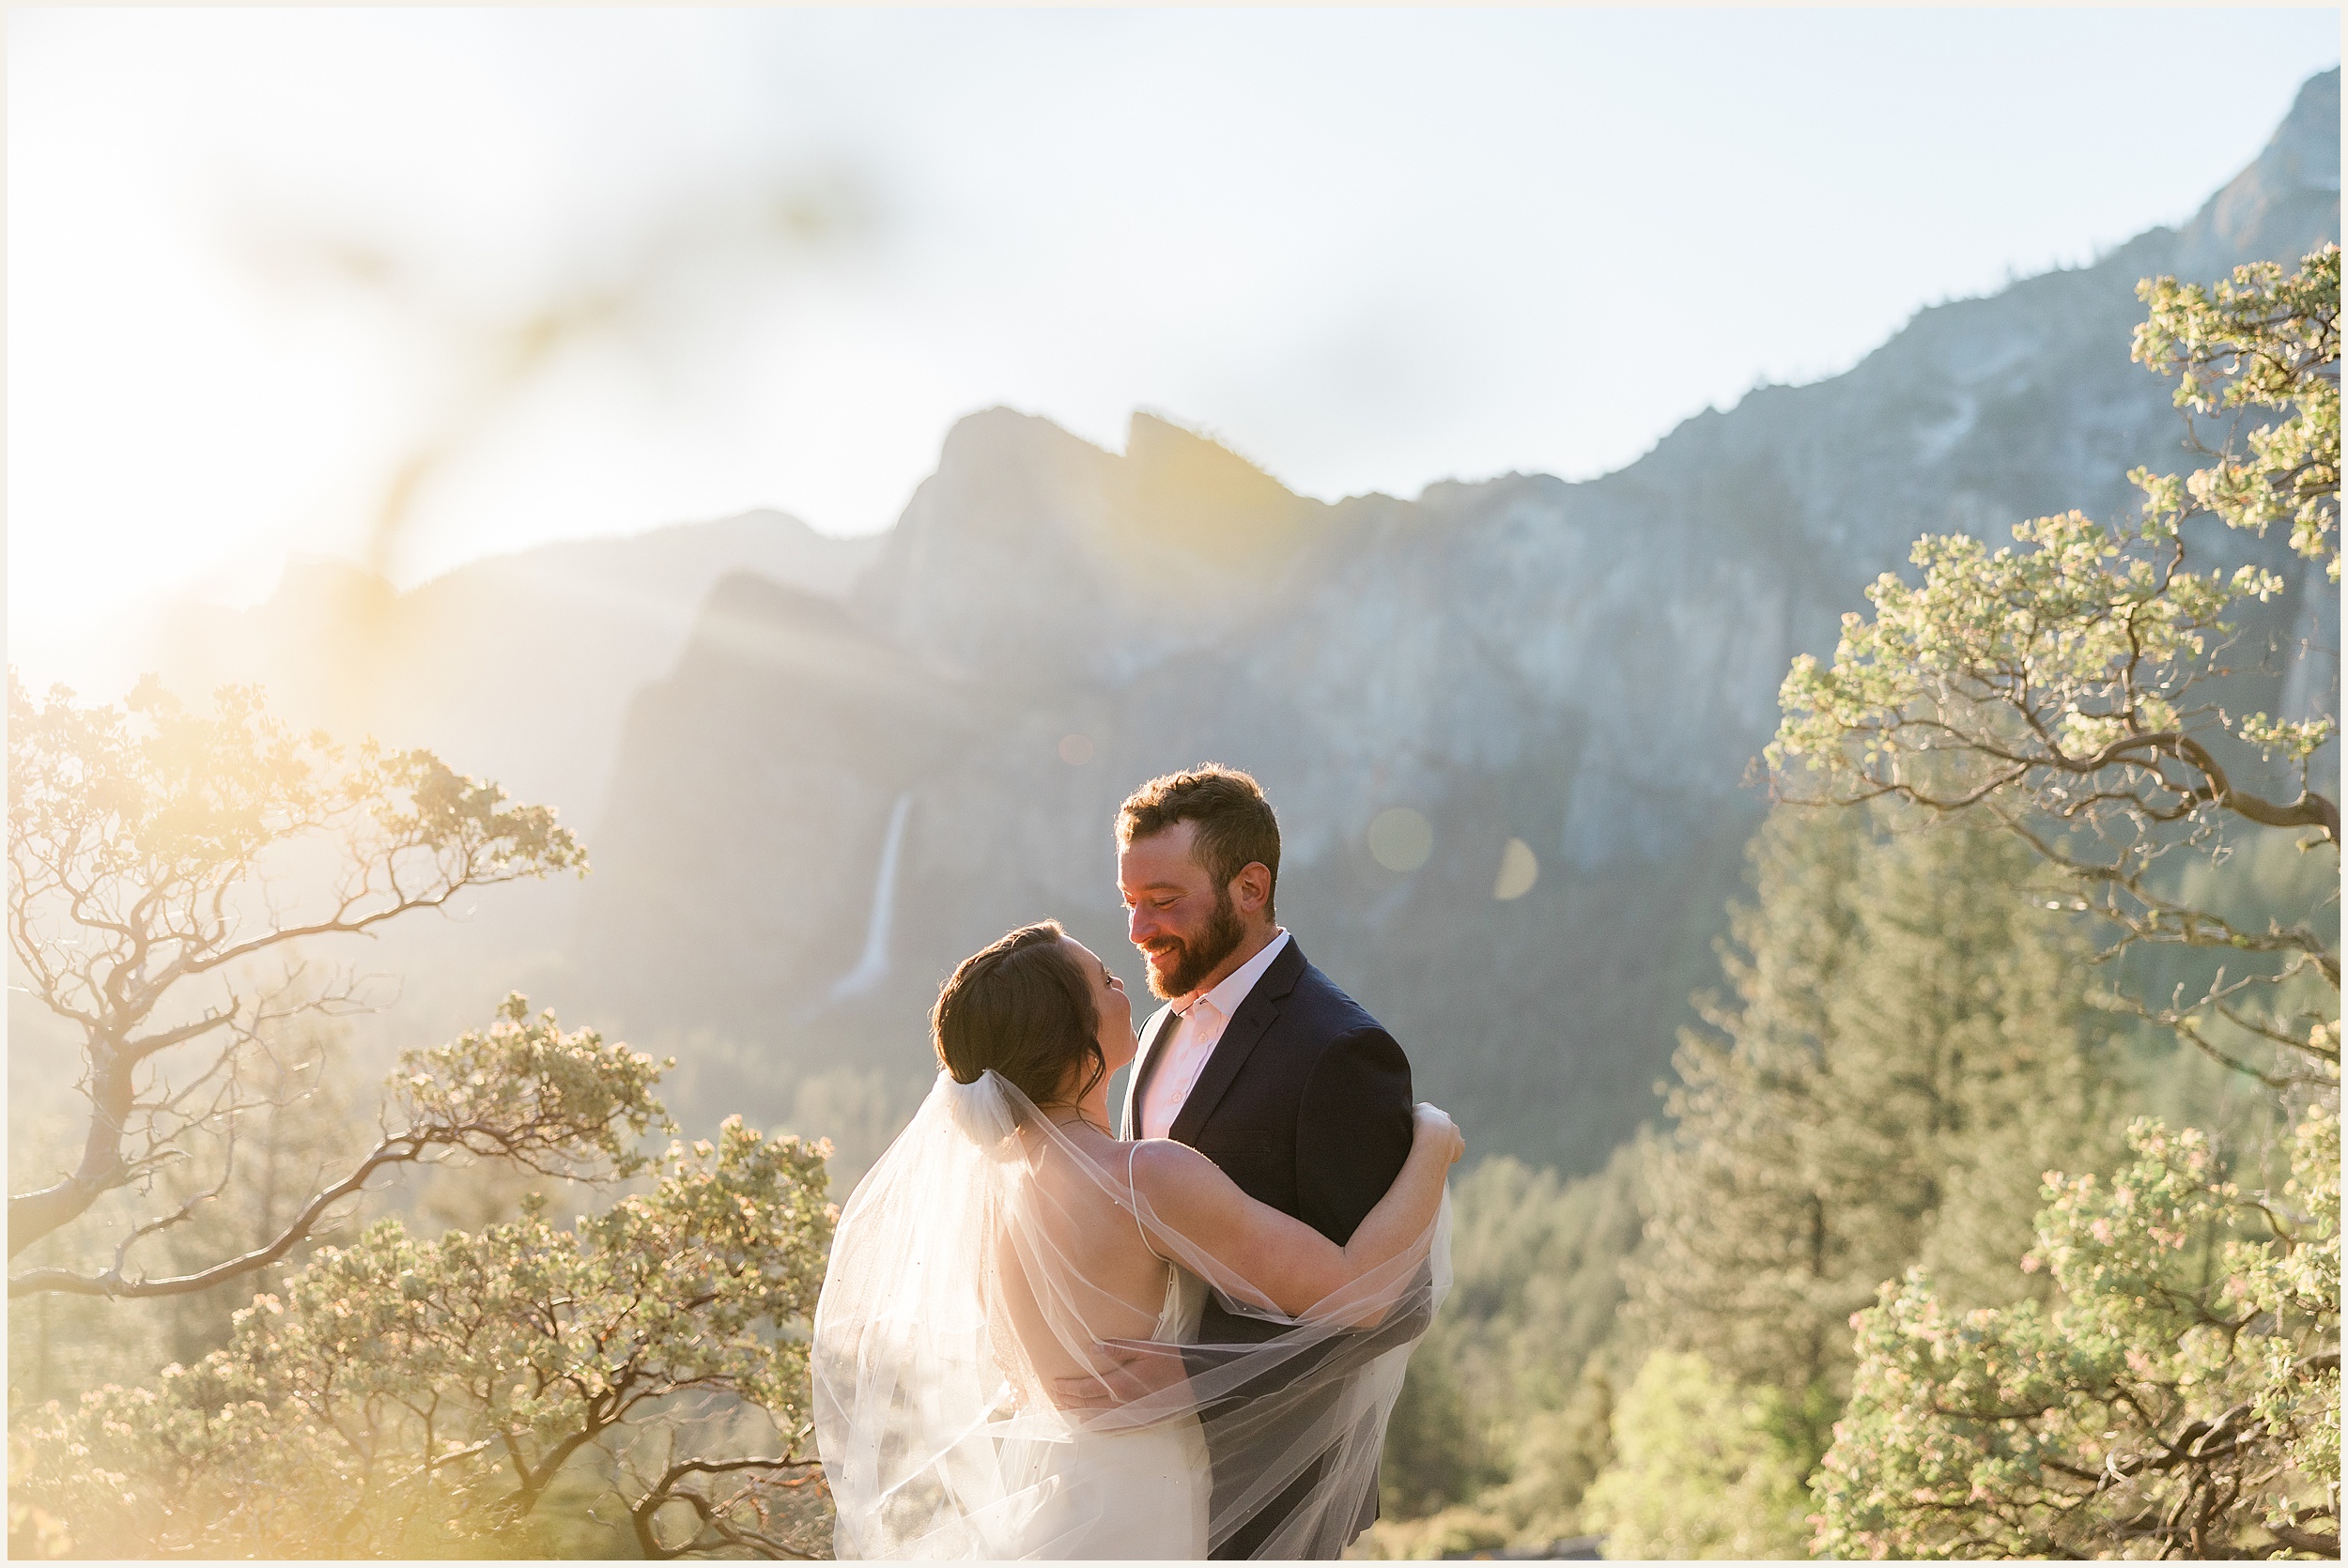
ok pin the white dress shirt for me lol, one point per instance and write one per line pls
(1184, 1044)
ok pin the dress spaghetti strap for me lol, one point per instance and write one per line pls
(1133, 1199)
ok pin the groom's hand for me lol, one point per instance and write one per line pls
(1130, 1370)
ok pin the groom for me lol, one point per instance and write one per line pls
(1257, 1060)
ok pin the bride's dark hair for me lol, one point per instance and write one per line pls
(1023, 1005)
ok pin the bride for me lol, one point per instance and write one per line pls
(1002, 1354)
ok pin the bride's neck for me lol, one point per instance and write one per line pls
(1093, 1107)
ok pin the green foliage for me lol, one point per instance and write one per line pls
(112, 806)
(493, 1389)
(1536, 1276)
(2063, 668)
(1701, 1474)
(406, 1397)
(1907, 1050)
(2092, 632)
(1434, 1454)
(2258, 340)
(523, 1090)
(2190, 1366)
(1514, 1400)
(2177, 1392)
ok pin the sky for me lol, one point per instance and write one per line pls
(416, 286)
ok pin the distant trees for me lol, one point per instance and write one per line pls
(2178, 1393)
(1907, 1050)
(1906, 1046)
(172, 872)
(2033, 819)
(1509, 1423)
(1704, 1470)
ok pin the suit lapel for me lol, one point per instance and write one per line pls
(1144, 1058)
(1247, 1027)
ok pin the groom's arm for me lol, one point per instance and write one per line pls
(1353, 1131)
(1353, 1134)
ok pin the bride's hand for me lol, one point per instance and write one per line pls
(1429, 1121)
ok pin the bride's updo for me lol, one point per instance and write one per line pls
(1022, 1005)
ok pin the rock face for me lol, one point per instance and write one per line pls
(1585, 669)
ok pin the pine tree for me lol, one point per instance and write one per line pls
(1909, 1048)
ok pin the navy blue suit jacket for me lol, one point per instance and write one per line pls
(1304, 1103)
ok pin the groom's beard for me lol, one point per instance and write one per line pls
(1195, 956)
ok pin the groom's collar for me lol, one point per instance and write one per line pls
(1233, 988)
(1283, 964)
(1252, 1015)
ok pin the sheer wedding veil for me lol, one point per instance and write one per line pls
(988, 1260)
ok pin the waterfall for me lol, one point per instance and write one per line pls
(872, 966)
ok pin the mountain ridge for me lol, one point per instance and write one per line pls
(1581, 669)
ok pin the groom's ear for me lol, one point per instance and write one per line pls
(1251, 890)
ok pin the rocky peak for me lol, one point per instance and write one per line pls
(2285, 203)
(1188, 494)
(1022, 513)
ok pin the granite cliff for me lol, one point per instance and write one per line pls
(822, 807)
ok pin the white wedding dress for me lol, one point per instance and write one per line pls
(1139, 1494)
(985, 1260)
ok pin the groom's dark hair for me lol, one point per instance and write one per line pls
(1236, 826)
(1023, 1005)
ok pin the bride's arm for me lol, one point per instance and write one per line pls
(1290, 1264)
